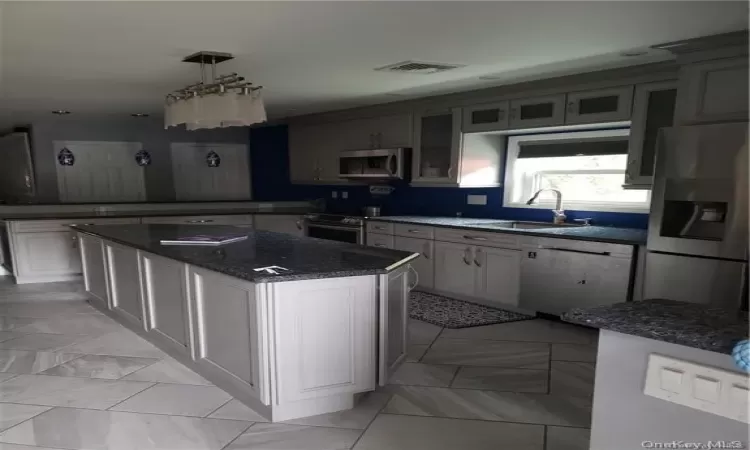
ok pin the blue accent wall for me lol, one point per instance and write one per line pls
(270, 174)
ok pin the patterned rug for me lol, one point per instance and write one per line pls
(451, 313)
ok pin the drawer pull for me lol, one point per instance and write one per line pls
(199, 221)
(570, 250)
(378, 228)
(379, 245)
(475, 238)
(415, 231)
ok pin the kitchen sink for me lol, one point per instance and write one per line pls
(529, 225)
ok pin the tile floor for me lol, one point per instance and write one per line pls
(73, 379)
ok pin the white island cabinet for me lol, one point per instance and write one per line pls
(288, 349)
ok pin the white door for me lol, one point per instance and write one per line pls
(424, 265)
(499, 275)
(101, 172)
(394, 318)
(194, 179)
(46, 254)
(454, 268)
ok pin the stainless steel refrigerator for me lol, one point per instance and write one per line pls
(698, 227)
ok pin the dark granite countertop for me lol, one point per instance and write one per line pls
(151, 213)
(305, 258)
(628, 236)
(688, 324)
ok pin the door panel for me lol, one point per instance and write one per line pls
(124, 280)
(499, 275)
(537, 112)
(604, 105)
(166, 298)
(94, 267)
(47, 253)
(424, 265)
(394, 319)
(454, 269)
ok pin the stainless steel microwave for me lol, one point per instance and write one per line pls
(380, 164)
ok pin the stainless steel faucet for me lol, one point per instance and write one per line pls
(558, 211)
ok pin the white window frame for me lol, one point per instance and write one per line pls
(513, 147)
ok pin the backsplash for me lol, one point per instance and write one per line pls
(270, 178)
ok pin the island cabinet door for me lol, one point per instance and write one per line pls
(227, 330)
(394, 318)
(325, 334)
(94, 269)
(166, 301)
(124, 282)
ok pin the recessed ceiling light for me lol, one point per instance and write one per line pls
(139, 115)
(61, 112)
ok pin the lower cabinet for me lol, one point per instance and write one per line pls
(394, 321)
(424, 264)
(380, 240)
(487, 273)
(124, 282)
(287, 224)
(46, 255)
(95, 275)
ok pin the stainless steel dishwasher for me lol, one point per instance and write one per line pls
(560, 274)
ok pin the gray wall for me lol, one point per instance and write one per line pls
(624, 417)
(150, 132)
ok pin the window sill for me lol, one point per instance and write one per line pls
(572, 206)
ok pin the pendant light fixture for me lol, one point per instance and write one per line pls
(224, 101)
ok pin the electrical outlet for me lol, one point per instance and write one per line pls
(476, 199)
(344, 194)
(334, 194)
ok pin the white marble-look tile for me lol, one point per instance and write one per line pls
(422, 332)
(490, 405)
(100, 366)
(522, 355)
(68, 391)
(7, 376)
(571, 352)
(564, 438)
(11, 414)
(42, 342)
(273, 436)
(357, 418)
(82, 324)
(4, 446)
(415, 352)
(168, 370)
(537, 330)
(44, 304)
(236, 410)
(572, 378)
(87, 429)
(417, 374)
(14, 323)
(502, 379)
(25, 361)
(390, 432)
(8, 335)
(176, 399)
(120, 343)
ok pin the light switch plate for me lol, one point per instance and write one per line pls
(476, 199)
(334, 194)
(697, 386)
(344, 194)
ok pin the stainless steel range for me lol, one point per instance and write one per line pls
(336, 227)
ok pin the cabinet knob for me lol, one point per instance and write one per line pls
(572, 107)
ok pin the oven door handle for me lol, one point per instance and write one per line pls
(332, 227)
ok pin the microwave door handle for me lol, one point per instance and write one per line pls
(389, 163)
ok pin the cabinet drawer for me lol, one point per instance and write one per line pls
(418, 231)
(508, 241)
(380, 240)
(233, 219)
(380, 227)
(583, 247)
(38, 226)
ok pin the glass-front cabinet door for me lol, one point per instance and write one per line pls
(653, 109)
(489, 117)
(604, 105)
(437, 145)
(537, 112)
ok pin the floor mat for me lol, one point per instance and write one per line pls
(452, 313)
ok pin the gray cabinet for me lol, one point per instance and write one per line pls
(314, 152)
(713, 91)
(280, 223)
(394, 320)
(653, 109)
(603, 105)
(537, 112)
(454, 268)
(95, 276)
(437, 146)
(124, 282)
(424, 265)
(166, 300)
(498, 275)
(488, 117)
(44, 255)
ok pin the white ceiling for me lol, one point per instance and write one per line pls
(122, 57)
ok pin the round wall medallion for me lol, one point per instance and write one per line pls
(213, 159)
(143, 158)
(66, 157)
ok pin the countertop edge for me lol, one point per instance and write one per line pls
(156, 213)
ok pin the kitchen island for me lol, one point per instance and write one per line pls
(291, 326)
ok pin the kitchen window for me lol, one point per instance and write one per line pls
(588, 167)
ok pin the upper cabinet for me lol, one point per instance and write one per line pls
(653, 109)
(444, 156)
(537, 112)
(604, 105)
(713, 91)
(489, 117)
(375, 132)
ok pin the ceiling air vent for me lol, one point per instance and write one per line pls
(417, 67)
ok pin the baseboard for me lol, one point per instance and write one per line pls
(47, 279)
